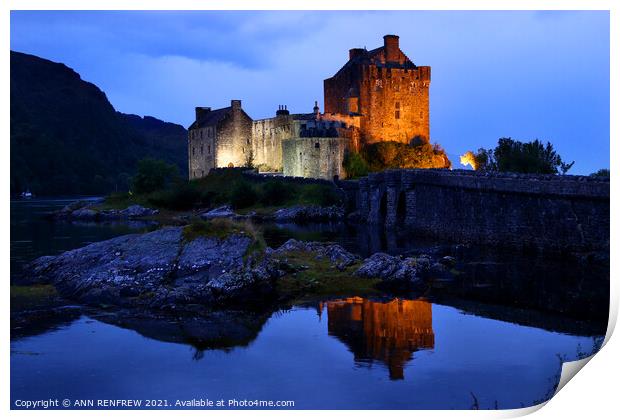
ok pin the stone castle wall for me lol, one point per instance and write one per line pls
(522, 211)
(396, 104)
(234, 139)
(267, 137)
(201, 151)
(393, 102)
(314, 157)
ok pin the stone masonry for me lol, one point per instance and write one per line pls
(379, 95)
(386, 89)
(512, 210)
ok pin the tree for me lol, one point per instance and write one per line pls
(354, 165)
(249, 161)
(515, 156)
(602, 173)
(153, 175)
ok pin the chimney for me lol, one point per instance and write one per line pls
(235, 104)
(355, 52)
(202, 110)
(390, 45)
(282, 110)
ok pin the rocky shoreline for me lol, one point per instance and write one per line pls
(88, 211)
(173, 269)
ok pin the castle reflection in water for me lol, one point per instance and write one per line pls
(388, 332)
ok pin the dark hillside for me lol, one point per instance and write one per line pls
(66, 137)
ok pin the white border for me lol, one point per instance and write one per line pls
(593, 394)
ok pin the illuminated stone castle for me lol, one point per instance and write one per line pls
(378, 95)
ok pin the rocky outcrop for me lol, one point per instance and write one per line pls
(220, 212)
(226, 212)
(87, 211)
(160, 270)
(337, 255)
(171, 269)
(394, 269)
(309, 214)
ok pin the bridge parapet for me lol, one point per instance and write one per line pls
(550, 211)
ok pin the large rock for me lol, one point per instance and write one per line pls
(309, 214)
(84, 214)
(391, 269)
(337, 255)
(86, 210)
(159, 269)
(220, 212)
(136, 211)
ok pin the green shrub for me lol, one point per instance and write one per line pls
(603, 173)
(243, 195)
(354, 165)
(394, 155)
(178, 197)
(322, 195)
(153, 175)
(276, 192)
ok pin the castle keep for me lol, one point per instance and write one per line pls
(387, 91)
(378, 95)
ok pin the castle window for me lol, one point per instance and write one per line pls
(421, 114)
(193, 151)
(397, 114)
(317, 145)
(243, 150)
(201, 149)
(209, 149)
(202, 172)
(201, 134)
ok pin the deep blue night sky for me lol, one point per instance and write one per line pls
(520, 74)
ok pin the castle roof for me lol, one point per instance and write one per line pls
(378, 58)
(211, 118)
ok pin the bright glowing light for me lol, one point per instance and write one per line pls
(469, 159)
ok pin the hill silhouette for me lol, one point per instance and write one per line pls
(66, 137)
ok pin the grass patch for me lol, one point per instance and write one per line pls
(317, 278)
(32, 297)
(217, 228)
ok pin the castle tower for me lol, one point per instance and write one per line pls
(386, 89)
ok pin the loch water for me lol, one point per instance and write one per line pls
(492, 338)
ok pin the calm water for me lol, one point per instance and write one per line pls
(476, 338)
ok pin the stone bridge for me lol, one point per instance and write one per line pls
(514, 210)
